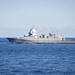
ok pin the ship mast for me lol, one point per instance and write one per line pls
(32, 31)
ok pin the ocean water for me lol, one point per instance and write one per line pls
(36, 59)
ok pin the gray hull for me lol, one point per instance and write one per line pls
(40, 41)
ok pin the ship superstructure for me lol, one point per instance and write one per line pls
(32, 33)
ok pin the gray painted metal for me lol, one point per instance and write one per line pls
(40, 41)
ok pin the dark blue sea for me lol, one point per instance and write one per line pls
(36, 59)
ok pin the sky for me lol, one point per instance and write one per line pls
(18, 16)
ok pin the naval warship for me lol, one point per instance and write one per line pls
(32, 37)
